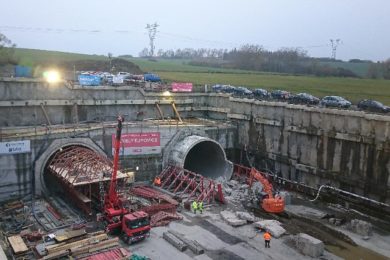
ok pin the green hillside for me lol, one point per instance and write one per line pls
(179, 65)
(31, 56)
(360, 69)
(177, 70)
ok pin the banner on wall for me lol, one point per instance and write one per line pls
(181, 87)
(139, 143)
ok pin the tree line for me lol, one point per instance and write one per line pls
(257, 58)
(7, 51)
(379, 70)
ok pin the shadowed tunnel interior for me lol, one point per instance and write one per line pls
(206, 158)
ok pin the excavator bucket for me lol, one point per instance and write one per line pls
(273, 205)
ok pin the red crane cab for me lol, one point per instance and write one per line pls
(135, 227)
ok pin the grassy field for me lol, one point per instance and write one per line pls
(359, 69)
(178, 70)
(31, 57)
(350, 88)
(179, 65)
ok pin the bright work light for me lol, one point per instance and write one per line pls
(52, 76)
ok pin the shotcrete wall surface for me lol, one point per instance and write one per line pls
(201, 155)
(310, 145)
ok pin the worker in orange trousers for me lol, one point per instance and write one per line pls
(157, 181)
(267, 239)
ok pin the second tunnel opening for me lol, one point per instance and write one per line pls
(206, 158)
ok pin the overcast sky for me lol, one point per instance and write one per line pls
(118, 26)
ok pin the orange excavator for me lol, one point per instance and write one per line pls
(270, 203)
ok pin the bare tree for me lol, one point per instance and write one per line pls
(144, 53)
(109, 55)
(7, 50)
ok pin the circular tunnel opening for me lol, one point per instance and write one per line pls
(206, 158)
(70, 174)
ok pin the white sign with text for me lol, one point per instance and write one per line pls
(15, 147)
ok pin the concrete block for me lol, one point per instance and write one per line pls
(360, 227)
(309, 245)
(176, 242)
(245, 216)
(193, 245)
(232, 219)
(244, 187)
(227, 191)
(272, 226)
(233, 183)
(286, 196)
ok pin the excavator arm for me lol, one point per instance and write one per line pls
(271, 204)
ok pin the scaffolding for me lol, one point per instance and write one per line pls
(188, 185)
(77, 169)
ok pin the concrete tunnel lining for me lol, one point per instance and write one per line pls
(54, 147)
(201, 155)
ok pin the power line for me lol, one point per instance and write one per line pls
(152, 31)
(62, 30)
(334, 43)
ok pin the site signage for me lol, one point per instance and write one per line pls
(89, 80)
(139, 143)
(15, 147)
(181, 87)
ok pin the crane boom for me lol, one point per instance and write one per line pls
(112, 193)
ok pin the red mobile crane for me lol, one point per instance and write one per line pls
(134, 226)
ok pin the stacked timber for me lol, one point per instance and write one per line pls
(86, 246)
(17, 244)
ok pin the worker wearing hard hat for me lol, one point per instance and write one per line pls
(157, 181)
(267, 239)
(194, 206)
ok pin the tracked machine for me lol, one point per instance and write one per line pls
(266, 198)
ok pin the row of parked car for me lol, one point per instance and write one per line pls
(300, 98)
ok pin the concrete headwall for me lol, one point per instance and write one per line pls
(312, 145)
(18, 172)
(349, 149)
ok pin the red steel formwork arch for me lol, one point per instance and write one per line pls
(76, 168)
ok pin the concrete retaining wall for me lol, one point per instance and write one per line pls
(348, 149)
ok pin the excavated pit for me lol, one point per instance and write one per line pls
(203, 156)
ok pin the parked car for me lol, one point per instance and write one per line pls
(261, 94)
(123, 74)
(217, 88)
(373, 106)
(227, 89)
(304, 98)
(280, 95)
(335, 101)
(242, 92)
